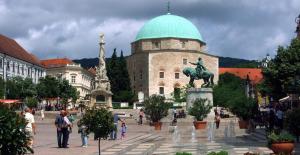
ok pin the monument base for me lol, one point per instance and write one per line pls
(101, 98)
(200, 93)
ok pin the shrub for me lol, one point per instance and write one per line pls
(278, 138)
(156, 107)
(183, 153)
(200, 109)
(218, 153)
(13, 138)
(31, 102)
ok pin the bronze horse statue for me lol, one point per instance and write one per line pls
(207, 76)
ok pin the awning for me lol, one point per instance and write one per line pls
(9, 101)
(287, 98)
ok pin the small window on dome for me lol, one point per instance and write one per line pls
(155, 45)
(183, 44)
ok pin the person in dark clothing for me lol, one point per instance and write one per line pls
(113, 134)
(271, 119)
(59, 123)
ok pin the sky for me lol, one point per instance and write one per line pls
(247, 29)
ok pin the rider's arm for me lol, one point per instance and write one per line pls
(192, 63)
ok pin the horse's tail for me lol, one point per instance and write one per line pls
(212, 78)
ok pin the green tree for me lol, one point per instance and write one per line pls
(13, 138)
(282, 73)
(113, 72)
(228, 88)
(66, 92)
(48, 87)
(31, 102)
(19, 88)
(119, 78)
(156, 107)
(99, 122)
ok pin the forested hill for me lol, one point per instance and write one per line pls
(223, 62)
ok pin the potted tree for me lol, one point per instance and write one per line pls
(244, 109)
(98, 121)
(156, 108)
(282, 143)
(199, 110)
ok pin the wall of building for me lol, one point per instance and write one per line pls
(12, 67)
(172, 62)
(83, 79)
(137, 66)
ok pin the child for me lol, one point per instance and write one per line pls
(123, 129)
(84, 136)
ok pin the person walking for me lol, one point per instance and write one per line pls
(279, 117)
(59, 120)
(123, 129)
(141, 115)
(30, 125)
(83, 130)
(217, 120)
(42, 114)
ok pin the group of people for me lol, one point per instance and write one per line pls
(63, 129)
(113, 134)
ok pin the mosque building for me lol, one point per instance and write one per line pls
(162, 48)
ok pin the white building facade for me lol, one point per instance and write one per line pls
(77, 76)
(16, 61)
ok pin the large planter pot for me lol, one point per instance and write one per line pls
(199, 125)
(243, 124)
(157, 125)
(284, 147)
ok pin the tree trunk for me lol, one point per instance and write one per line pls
(99, 145)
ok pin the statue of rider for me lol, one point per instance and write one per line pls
(199, 67)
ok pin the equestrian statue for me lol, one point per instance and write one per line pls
(200, 72)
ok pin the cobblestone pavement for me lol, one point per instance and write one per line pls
(143, 140)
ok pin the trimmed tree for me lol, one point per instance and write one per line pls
(98, 121)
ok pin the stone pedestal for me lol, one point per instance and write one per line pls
(100, 98)
(200, 93)
(197, 93)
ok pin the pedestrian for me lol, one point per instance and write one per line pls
(113, 134)
(42, 114)
(279, 117)
(30, 125)
(66, 129)
(271, 119)
(141, 115)
(83, 130)
(123, 129)
(59, 123)
(217, 119)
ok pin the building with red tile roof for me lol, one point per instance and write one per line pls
(59, 62)
(16, 61)
(65, 68)
(255, 74)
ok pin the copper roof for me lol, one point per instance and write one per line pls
(11, 48)
(255, 74)
(59, 62)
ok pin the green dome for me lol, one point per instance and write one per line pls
(168, 25)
